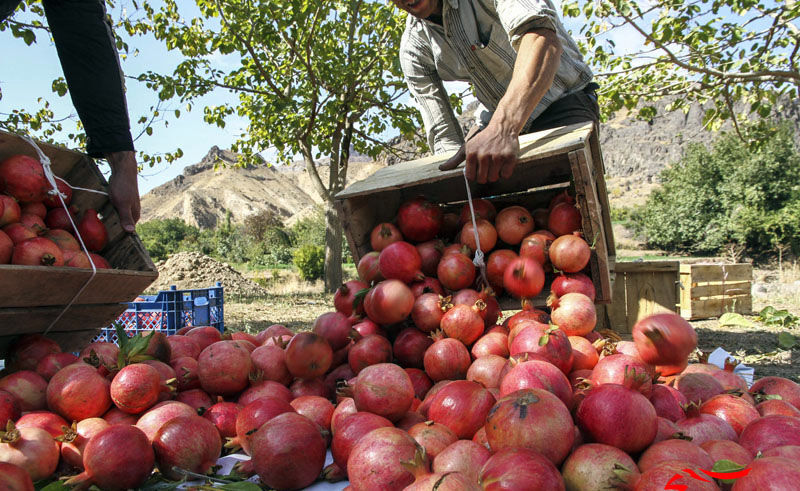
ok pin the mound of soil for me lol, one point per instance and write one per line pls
(190, 270)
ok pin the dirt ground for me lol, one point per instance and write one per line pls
(296, 304)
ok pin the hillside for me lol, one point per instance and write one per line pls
(634, 153)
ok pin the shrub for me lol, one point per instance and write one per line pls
(164, 237)
(310, 262)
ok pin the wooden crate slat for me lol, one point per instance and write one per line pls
(16, 321)
(426, 170)
(602, 193)
(617, 311)
(645, 266)
(701, 273)
(714, 307)
(720, 289)
(639, 292)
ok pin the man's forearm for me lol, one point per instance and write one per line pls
(537, 62)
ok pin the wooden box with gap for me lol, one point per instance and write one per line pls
(33, 297)
(710, 290)
(550, 162)
(642, 288)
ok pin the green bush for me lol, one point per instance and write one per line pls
(730, 194)
(164, 237)
(310, 261)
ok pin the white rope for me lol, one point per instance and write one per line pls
(478, 259)
(51, 178)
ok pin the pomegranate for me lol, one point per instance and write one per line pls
(537, 374)
(136, 388)
(252, 416)
(339, 374)
(37, 252)
(181, 346)
(496, 266)
(19, 232)
(449, 481)
(770, 473)
(270, 363)
(9, 407)
(668, 402)
(384, 234)
(6, 248)
(197, 399)
(401, 261)
(483, 209)
(533, 419)
(430, 253)
(446, 359)
(53, 200)
(33, 222)
(787, 389)
(769, 432)
(433, 437)
(456, 271)
(674, 449)
(703, 427)
(520, 468)
(623, 370)
(22, 177)
(727, 450)
(370, 350)
(224, 367)
(288, 452)
(544, 340)
(599, 466)
(462, 406)
(409, 347)
(389, 302)
(420, 381)
(450, 225)
(656, 477)
(32, 449)
(59, 218)
(698, 387)
(428, 285)
(265, 388)
(187, 442)
(569, 253)
(736, 411)
(573, 283)
(574, 313)
(14, 478)
(419, 219)
(152, 420)
(44, 420)
(487, 235)
(484, 302)
(223, 415)
(584, 354)
(602, 409)
(535, 246)
(310, 387)
(335, 327)
(428, 310)
(564, 218)
(92, 231)
(78, 392)
(513, 224)
(350, 431)
(118, 457)
(775, 406)
(486, 370)
(368, 268)
(491, 343)
(376, 460)
(317, 409)
(383, 389)
(666, 430)
(75, 438)
(464, 456)
(463, 322)
(27, 351)
(344, 300)
(205, 336)
(10, 210)
(523, 278)
(787, 451)
(664, 339)
(185, 369)
(116, 417)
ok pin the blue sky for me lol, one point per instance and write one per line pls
(34, 68)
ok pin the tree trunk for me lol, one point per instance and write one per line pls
(333, 249)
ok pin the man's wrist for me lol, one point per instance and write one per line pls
(122, 162)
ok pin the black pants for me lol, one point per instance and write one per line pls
(575, 108)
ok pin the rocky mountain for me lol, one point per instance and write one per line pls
(634, 153)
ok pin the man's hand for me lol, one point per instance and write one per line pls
(491, 154)
(124, 188)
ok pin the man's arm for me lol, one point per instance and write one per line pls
(90, 62)
(493, 152)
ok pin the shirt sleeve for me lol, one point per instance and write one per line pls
(519, 17)
(441, 126)
(89, 59)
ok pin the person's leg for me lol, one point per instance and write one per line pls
(574, 108)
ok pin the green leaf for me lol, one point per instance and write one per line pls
(786, 340)
(734, 319)
(544, 339)
(240, 486)
(51, 486)
(725, 466)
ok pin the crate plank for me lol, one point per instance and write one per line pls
(16, 321)
(617, 309)
(714, 307)
(642, 289)
(646, 266)
(602, 192)
(720, 289)
(701, 273)
(534, 146)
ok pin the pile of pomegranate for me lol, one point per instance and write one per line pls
(411, 383)
(35, 228)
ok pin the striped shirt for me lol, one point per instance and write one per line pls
(477, 43)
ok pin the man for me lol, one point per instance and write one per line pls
(524, 68)
(88, 55)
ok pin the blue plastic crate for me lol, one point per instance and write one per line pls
(170, 311)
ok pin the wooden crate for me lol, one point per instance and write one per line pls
(549, 161)
(710, 290)
(641, 289)
(33, 297)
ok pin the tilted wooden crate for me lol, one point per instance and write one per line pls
(549, 161)
(710, 290)
(33, 297)
(641, 289)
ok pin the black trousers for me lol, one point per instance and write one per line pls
(574, 108)
(89, 59)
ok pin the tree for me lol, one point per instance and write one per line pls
(314, 78)
(727, 52)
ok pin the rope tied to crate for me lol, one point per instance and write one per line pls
(478, 259)
(51, 178)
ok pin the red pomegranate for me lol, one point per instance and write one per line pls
(491, 343)
(32, 449)
(368, 268)
(265, 388)
(788, 390)
(456, 271)
(623, 370)
(737, 412)
(664, 339)
(9, 407)
(37, 251)
(432, 436)
(205, 336)
(574, 313)
(464, 456)
(487, 235)
(770, 473)
(727, 450)
(569, 253)
(775, 406)
(335, 327)
(547, 341)
(349, 432)
(430, 253)
(186, 442)
(22, 177)
(446, 359)
(152, 420)
(428, 310)
(53, 200)
(10, 210)
(419, 219)
(463, 322)
(674, 449)
(428, 285)
(384, 234)
(513, 223)
(606, 405)
(33, 222)
(383, 389)
(496, 265)
(483, 209)
(136, 388)
(461, 406)
(6, 248)
(769, 432)
(223, 415)
(410, 346)
(15, 478)
(370, 350)
(389, 302)
(78, 392)
(520, 468)
(344, 300)
(599, 466)
(19, 232)
(59, 218)
(698, 387)
(376, 460)
(678, 474)
(668, 402)
(401, 261)
(564, 218)
(253, 416)
(523, 278)
(537, 374)
(27, 351)
(486, 370)
(92, 231)
(224, 367)
(573, 283)
(702, 427)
